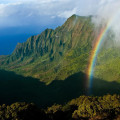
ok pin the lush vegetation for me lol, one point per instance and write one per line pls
(21, 111)
(54, 54)
(108, 65)
(60, 54)
(82, 108)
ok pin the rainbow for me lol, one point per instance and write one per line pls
(95, 51)
(93, 56)
(96, 48)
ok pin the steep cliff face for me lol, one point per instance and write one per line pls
(54, 54)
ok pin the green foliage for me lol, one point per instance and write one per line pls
(21, 111)
(82, 108)
(54, 108)
(91, 107)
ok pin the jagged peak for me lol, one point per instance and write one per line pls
(74, 16)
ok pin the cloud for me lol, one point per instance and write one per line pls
(32, 16)
(108, 12)
(24, 12)
(44, 12)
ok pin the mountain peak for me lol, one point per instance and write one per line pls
(47, 55)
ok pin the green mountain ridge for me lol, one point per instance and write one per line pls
(54, 54)
(60, 53)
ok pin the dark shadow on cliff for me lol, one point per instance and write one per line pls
(16, 88)
(101, 87)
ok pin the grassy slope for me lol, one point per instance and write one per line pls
(110, 69)
(108, 61)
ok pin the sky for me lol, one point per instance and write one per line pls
(41, 12)
(20, 19)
